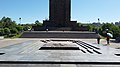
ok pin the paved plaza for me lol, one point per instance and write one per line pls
(58, 52)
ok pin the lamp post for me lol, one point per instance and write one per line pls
(20, 20)
(98, 20)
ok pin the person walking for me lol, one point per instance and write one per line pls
(98, 40)
(108, 36)
(108, 40)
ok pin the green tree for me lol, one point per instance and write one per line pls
(9, 27)
(1, 32)
(119, 27)
(92, 28)
(107, 26)
(26, 28)
(14, 31)
(7, 31)
(13, 24)
(19, 28)
(2, 21)
(37, 23)
(112, 29)
(7, 22)
(116, 31)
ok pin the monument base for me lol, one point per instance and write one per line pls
(37, 28)
(65, 24)
(51, 26)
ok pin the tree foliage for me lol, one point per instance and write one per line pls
(7, 22)
(26, 28)
(14, 30)
(37, 23)
(7, 31)
(101, 28)
(113, 29)
(1, 32)
(20, 28)
(8, 26)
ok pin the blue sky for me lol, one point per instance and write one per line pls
(82, 10)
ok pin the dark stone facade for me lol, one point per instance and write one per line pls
(60, 14)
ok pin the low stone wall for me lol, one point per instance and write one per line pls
(38, 28)
(59, 35)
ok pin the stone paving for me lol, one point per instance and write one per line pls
(30, 51)
(113, 44)
(55, 65)
(8, 42)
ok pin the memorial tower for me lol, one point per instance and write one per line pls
(59, 14)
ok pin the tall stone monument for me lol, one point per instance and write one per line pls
(60, 14)
(60, 18)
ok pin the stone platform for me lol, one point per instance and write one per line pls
(30, 52)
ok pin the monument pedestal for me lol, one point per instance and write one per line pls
(56, 24)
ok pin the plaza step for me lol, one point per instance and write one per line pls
(88, 48)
